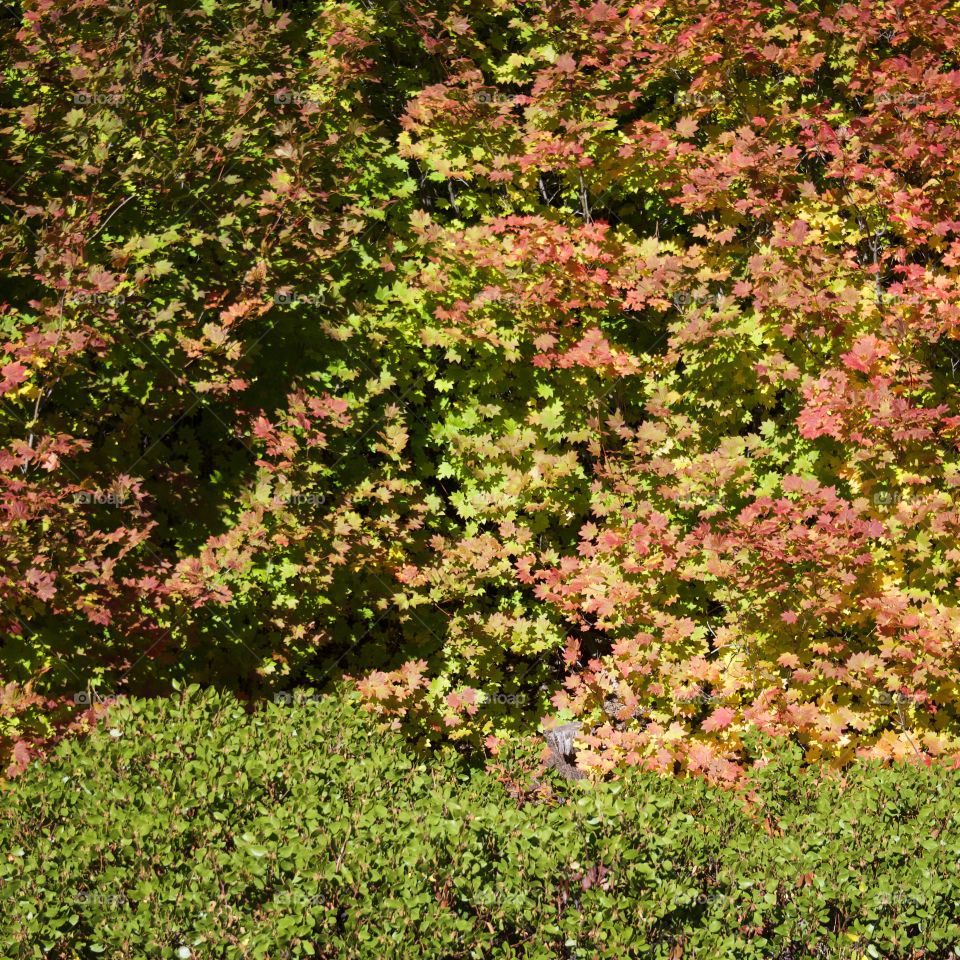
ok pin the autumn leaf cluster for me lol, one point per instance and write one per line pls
(518, 360)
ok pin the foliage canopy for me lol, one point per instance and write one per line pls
(513, 357)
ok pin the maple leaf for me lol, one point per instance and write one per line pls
(13, 374)
(43, 583)
(864, 353)
(720, 719)
(20, 758)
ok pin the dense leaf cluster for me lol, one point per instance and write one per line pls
(192, 827)
(515, 358)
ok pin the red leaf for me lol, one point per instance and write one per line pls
(13, 375)
(20, 758)
(721, 718)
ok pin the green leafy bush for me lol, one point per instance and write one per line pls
(195, 827)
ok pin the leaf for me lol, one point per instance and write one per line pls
(12, 375)
(720, 719)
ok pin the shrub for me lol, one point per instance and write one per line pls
(199, 827)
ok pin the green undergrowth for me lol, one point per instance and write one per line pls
(199, 827)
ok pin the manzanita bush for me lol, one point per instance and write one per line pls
(189, 825)
(517, 358)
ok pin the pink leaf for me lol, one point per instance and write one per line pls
(721, 718)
